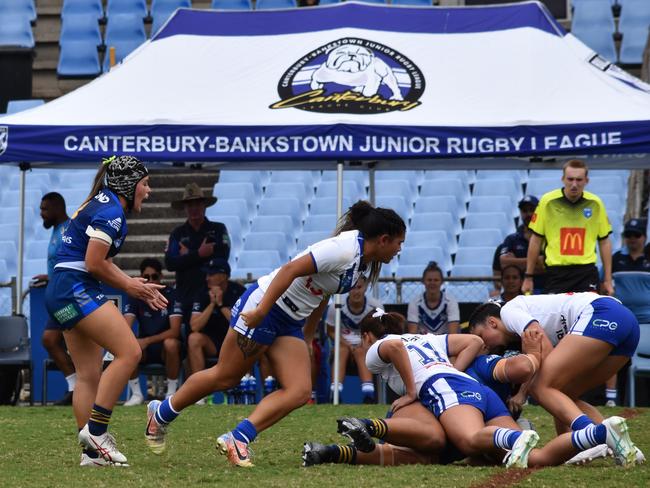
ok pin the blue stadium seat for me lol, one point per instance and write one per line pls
(259, 259)
(480, 238)
(467, 177)
(18, 7)
(32, 182)
(122, 50)
(283, 206)
(75, 197)
(36, 249)
(495, 187)
(157, 4)
(475, 292)
(257, 178)
(378, 2)
(76, 7)
(539, 186)
(10, 198)
(228, 191)
(396, 188)
(361, 177)
(436, 221)
(599, 39)
(633, 24)
(606, 173)
(490, 220)
(546, 173)
(614, 203)
(519, 176)
(607, 184)
(444, 203)
(4, 277)
(234, 207)
(417, 3)
(409, 271)
(233, 225)
(80, 28)
(596, 14)
(422, 256)
(275, 4)
(129, 7)
(425, 238)
(11, 214)
(351, 190)
(471, 270)
(327, 205)
(474, 255)
(308, 178)
(268, 241)
(8, 252)
(276, 223)
(329, 2)
(15, 106)
(161, 10)
(414, 177)
(78, 59)
(125, 29)
(452, 186)
(232, 4)
(311, 237)
(242, 273)
(493, 204)
(322, 223)
(16, 30)
(289, 189)
(397, 203)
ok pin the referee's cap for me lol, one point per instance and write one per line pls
(635, 226)
(216, 266)
(529, 200)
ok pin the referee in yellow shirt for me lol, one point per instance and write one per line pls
(570, 221)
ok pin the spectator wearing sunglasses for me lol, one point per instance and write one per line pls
(158, 332)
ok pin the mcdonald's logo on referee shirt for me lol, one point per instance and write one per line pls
(572, 241)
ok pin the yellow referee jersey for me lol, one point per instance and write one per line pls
(570, 229)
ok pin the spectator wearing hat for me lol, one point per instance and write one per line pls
(191, 245)
(515, 246)
(570, 222)
(211, 313)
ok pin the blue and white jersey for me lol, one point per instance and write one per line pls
(556, 314)
(433, 320)
(349, 320)
(54, 244)
(338, 263)
(101, 218)
(428, 355)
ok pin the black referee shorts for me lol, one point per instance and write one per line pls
(575, 278)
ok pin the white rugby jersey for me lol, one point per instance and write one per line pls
(349, 320)
(556, 314)
(338, 262)
(433, 320)
(428, 356)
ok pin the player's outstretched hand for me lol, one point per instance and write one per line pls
(403, 401)
(148, 292)
(252, 318)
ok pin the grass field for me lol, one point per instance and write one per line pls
(38, 448)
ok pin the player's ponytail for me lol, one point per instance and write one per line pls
(98, 181)
(381, 324)
(371, 222)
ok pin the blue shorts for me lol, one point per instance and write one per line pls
(277, 323)
(444, 391)
(72, 295)
(608, 320)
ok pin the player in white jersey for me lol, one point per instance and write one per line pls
(269, 317)
(434, 311)
(353, 310)
(585, 339)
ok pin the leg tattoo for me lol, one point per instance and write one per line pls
(248, 346)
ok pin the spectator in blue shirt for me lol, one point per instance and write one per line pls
(54, 217)
(158, 332)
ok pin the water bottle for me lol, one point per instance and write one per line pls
(231, 396)
(269, 385)
(252, 390)
(243, 387)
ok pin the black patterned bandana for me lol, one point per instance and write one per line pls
(123, 174)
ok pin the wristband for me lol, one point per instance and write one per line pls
(529, 275)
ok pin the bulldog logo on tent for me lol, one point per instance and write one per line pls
(351, 75)
(4, 138)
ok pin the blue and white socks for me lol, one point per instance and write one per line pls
(165, 413)
(245, 432)
(590, 436)
(505, 438)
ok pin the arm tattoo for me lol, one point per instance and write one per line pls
(248, 346)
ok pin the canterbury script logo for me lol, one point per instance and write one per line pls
(572, 241)
(102, 198)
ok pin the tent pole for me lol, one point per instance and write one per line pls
(21, 239)
(337, 297)
(371, 183)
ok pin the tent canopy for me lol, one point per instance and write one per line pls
(344, 82)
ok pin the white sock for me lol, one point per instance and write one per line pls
(332, 387)
(368, 388)
(72, 380)
(134, 385)
(172, 386)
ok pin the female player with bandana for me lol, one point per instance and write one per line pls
(90, 322)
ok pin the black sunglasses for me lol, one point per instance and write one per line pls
(151, 277)
(633, 235)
